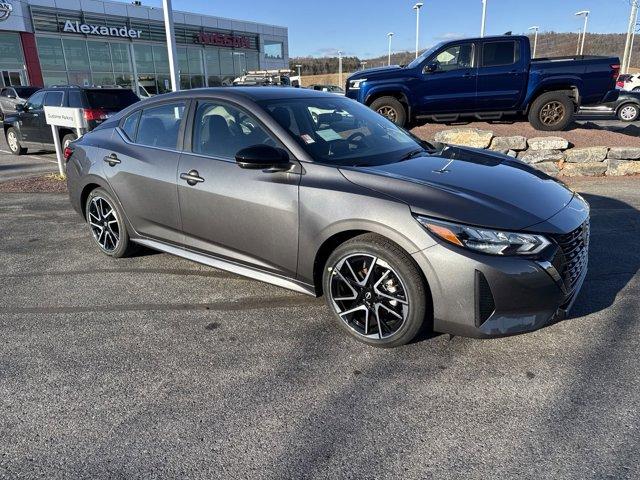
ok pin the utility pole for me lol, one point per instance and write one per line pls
(299, 75)
(390, 34)
(340, 67)
(628, 46)
(484, 17)
(578, 44)
(535, 40)
(171, 44)
(417, 8)
(363, 64)
(585, 14)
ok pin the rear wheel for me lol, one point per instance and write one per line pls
(67, 139)
(106, 222)
(637, 89)
(375, 291)
(14, 142)
(629, 112)
(391, 108)
(551, 111)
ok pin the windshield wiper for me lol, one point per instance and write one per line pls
(411, 154)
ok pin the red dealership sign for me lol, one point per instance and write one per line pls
(223, 40)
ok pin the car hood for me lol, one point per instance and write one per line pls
(376, 71)
(469, 186)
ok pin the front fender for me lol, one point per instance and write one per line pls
(388, 87)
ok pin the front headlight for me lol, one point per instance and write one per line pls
(355, 84)
(484, 240)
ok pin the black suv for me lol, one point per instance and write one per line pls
(28, 128)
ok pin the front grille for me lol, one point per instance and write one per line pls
(572, 258)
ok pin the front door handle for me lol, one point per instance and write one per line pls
(112, 160)
(192, 177)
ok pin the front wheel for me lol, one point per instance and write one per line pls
(551, 111)
(629, 112)
(67, 139)
(375, 291)
(391, 109)
(14, 142)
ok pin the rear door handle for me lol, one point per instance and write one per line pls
(192, 177)
(112, 160)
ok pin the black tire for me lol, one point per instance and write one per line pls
(637, 89)
(406, 292)
(391, 108)
(68, 138)
(552, 111)
(13, 141)
(625, 114)
(123, 246)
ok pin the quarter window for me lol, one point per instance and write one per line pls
(130, 125)
(159, 126)
(455, 57)
(500, 53)
(221, 131)
(53, 99)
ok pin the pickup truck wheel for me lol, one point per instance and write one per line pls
(629, 112)
(390, 108)
(551, 111)
(14, 143)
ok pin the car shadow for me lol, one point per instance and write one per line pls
(630, 129)
(614, 258)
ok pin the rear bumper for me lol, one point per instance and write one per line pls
(525, 295)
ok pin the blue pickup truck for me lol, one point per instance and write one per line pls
(486, 79)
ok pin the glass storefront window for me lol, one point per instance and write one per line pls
(103, 79)
(163, 84)
(197, 81)
(226, 62)
(11, 56)
(50, 54)
(273, 50)
(212, 59)
(161, 58)
(100, 56)
(80, 78)
(183, 64)
(185, 82)
(144, 58)
(121, 57)
(54, 78)
(194, 57)
(75, 54)
(239, 63)
(253, 62)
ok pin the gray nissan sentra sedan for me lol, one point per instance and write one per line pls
(319, 194)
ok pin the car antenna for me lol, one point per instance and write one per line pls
(444, 168)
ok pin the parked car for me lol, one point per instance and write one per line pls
(327, 88)
(11, 96)
(626, 108)
(486, 78)
(27, 127)
(629, 82)
(397, 234)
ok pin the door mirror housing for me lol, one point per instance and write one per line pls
(11, 96)
(263, 157)
(431, 67)
(20, 107)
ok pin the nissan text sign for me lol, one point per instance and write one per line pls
(223, 40)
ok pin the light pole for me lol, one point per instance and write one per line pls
(171, 44)
(417, 8)
(390, 34)
(585, 14)
(628, 46)
(340, 67)
(484, 17)
(299, 75)
(535, 40)
(363, 64)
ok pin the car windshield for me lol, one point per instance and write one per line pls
(341, 132)
(25, 92)
(113, 100)
(423, 56)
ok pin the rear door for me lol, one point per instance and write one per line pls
(246, 216)
(140, 163)
(502, 75)
(448, 81)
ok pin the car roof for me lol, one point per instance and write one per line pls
(251, 93)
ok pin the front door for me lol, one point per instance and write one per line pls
(448, 81)
(246, 216)
(140, 161)
(502, 76)
(32, 120)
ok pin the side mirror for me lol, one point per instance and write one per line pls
(11, 95)
(263, 157)
(431, 67)
(20, 107)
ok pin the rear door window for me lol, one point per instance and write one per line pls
(160, 126)
(75, 99)
(500, 53)
(111, 100)
(53, 99)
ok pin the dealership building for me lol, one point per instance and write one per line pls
(95, 43)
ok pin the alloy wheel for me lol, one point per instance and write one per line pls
(12, 140)
(628, 113)
(369, 296)
(552, 113)
(388, 112)
(103, 221)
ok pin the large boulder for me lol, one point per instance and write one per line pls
(550, 168)
(467, 137)
(624, 153)
(548, 143)
(587, 154)
(586, 169)
(540, 156)
(623, 167)
(516, 142)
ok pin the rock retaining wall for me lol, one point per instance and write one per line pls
(553, 155)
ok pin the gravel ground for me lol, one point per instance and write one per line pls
(588, 134)
(46, 183)
(154, 367)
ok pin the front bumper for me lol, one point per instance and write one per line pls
(482, 296)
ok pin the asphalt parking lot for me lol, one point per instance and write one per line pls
(156, 367)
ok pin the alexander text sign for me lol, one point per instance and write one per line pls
(100, 30)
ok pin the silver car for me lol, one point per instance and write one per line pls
(11, 96)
